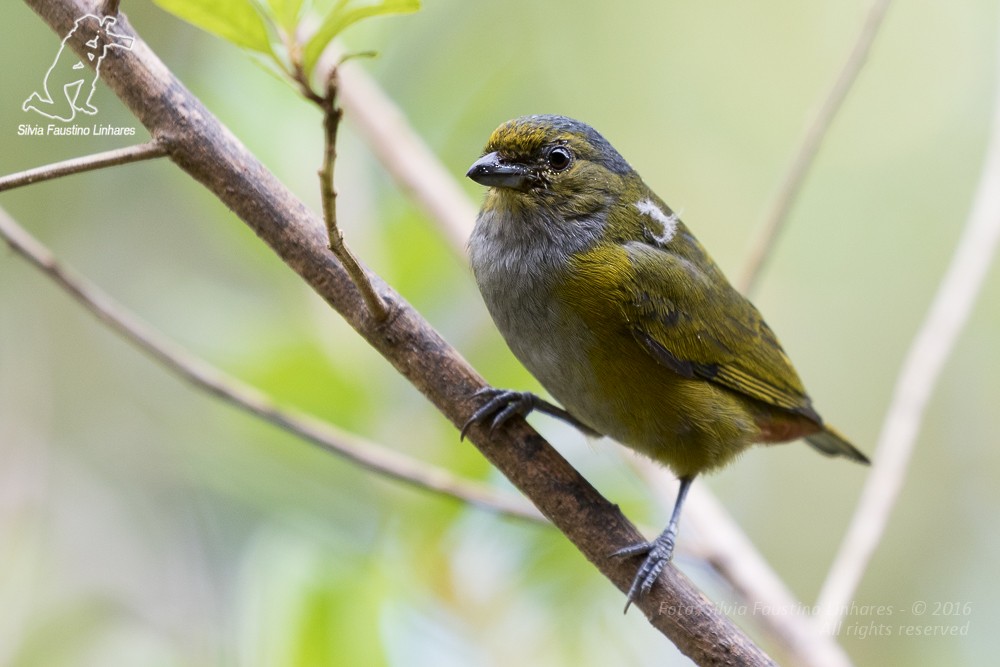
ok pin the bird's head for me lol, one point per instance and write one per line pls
(551, 164)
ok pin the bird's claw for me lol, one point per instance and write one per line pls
(501, 406)
(658, 554)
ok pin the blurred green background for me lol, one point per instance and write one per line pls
(145, 523)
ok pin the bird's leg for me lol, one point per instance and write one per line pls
(503, 404)
(658, 552)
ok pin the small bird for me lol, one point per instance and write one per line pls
(611, 303)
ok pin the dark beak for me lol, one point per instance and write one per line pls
(494, 171)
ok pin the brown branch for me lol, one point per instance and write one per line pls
(332, 113)
(777, 215)
(146, 151)
(208, 152)
(203, 375)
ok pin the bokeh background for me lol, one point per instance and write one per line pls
(144, 523)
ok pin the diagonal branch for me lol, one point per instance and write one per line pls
(777, 215)
(146, 151)
(195, 370)
(198, 143)
(918, 375)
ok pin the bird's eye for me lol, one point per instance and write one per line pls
(559, 158)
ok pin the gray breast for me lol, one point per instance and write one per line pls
(516, 271)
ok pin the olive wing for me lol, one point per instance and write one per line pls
(694, 322)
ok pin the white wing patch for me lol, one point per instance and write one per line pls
(667, 223)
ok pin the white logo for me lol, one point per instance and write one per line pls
(69, 85)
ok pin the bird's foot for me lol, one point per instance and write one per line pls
(658, 554)
(501, 405)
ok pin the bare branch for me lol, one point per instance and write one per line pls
(332, 113)
(777, 215)
(917, 378)
(211, 379)
(146, 151)
(203, 148)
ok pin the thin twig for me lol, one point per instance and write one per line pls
(146, 151)
(917, 378)
(777, 215)
(332, 113)
(209, 378)
(110, 8)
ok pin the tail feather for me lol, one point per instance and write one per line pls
(832, 443)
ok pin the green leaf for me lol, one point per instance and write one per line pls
(236, 21)
(345, 14)
(287, 13)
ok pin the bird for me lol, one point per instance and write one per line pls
(610, 302)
